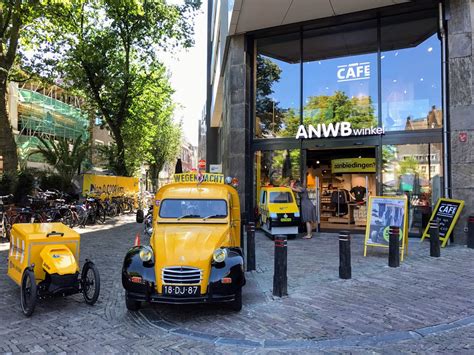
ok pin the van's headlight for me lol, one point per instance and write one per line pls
(296, 214)
(219, 255)
(273, 215)
(146, 254)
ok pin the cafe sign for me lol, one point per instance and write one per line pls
(338, 129)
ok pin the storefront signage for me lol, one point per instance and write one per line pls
(109, 185)
(199, 178)
(215, 168)
(342, 129)
(384, 212)
(353, 165)
(446, 212)
(353, 71)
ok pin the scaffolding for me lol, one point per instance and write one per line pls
(40, 115)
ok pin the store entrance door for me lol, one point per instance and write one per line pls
(339, 182)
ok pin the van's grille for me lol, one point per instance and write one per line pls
(181, 275)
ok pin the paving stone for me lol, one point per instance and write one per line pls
(423, 306)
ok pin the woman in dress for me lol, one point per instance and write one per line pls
(308, 211)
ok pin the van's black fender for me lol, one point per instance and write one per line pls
(232, 267)
(142, 272)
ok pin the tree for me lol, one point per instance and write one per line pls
(151, 135)
(67, 161)
(105, 47)
(14, 16)
(268, 112)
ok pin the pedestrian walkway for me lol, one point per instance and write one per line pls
(425, 305)
(392, 304)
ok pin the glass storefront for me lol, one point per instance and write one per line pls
(277, 99)
(416, 171)
(384, 72)
(340, 75)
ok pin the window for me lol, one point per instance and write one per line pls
(411, 74)
(278, 86)
(340, 75)
(193, 208)
(408, 171)
(281, 197)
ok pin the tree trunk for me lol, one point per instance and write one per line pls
(7, 140)
(121, 167)
(154, 174)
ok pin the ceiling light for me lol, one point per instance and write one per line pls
(317, 161)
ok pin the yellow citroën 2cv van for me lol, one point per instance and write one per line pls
(195, 253)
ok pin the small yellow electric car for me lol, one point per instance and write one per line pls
(278, 211)
(195, 253)
(44, 261)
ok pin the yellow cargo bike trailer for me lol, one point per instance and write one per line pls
(44, 261)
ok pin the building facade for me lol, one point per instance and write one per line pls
(372, 98)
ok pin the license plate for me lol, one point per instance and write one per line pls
(285, 220)
(184, 291)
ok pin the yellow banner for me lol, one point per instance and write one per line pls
(109, 185)
(353, 165)
(194, 178)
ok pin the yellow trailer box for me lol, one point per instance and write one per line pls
(29, 239)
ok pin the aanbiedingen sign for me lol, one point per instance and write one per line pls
(338, 129)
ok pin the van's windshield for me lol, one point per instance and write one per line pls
(193, 208)
(281, 197)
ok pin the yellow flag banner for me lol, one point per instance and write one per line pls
(109, 185)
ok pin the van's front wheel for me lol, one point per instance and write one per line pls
(236, 304)
(131, 304)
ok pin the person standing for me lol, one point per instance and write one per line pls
(308, 210)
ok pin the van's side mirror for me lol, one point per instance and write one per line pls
(140, 216)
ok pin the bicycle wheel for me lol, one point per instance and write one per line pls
(100, 214)
(68, 218)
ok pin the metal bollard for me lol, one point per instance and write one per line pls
(280, 279)
(394, 247)
(435, 247)
(251, 246)
(470, 232)
(345, 270)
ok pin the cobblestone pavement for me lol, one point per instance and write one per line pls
(426, 305)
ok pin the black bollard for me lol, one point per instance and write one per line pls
(250, 246)
(345, 270)
(435, 247)
(280, 279)
(470, 232)
(394, 247)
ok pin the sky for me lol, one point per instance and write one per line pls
(187, 69)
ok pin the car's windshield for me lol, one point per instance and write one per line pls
(281, 197)
(193, 208)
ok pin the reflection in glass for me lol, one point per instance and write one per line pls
(411, 85)
(414, 170)
(276, 168)
(277, 85)
(340, 75)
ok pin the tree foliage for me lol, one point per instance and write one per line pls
(65, 160)
(109, 50)
(15, 16)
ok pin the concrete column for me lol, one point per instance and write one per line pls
(234, 112)
(461, 107)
